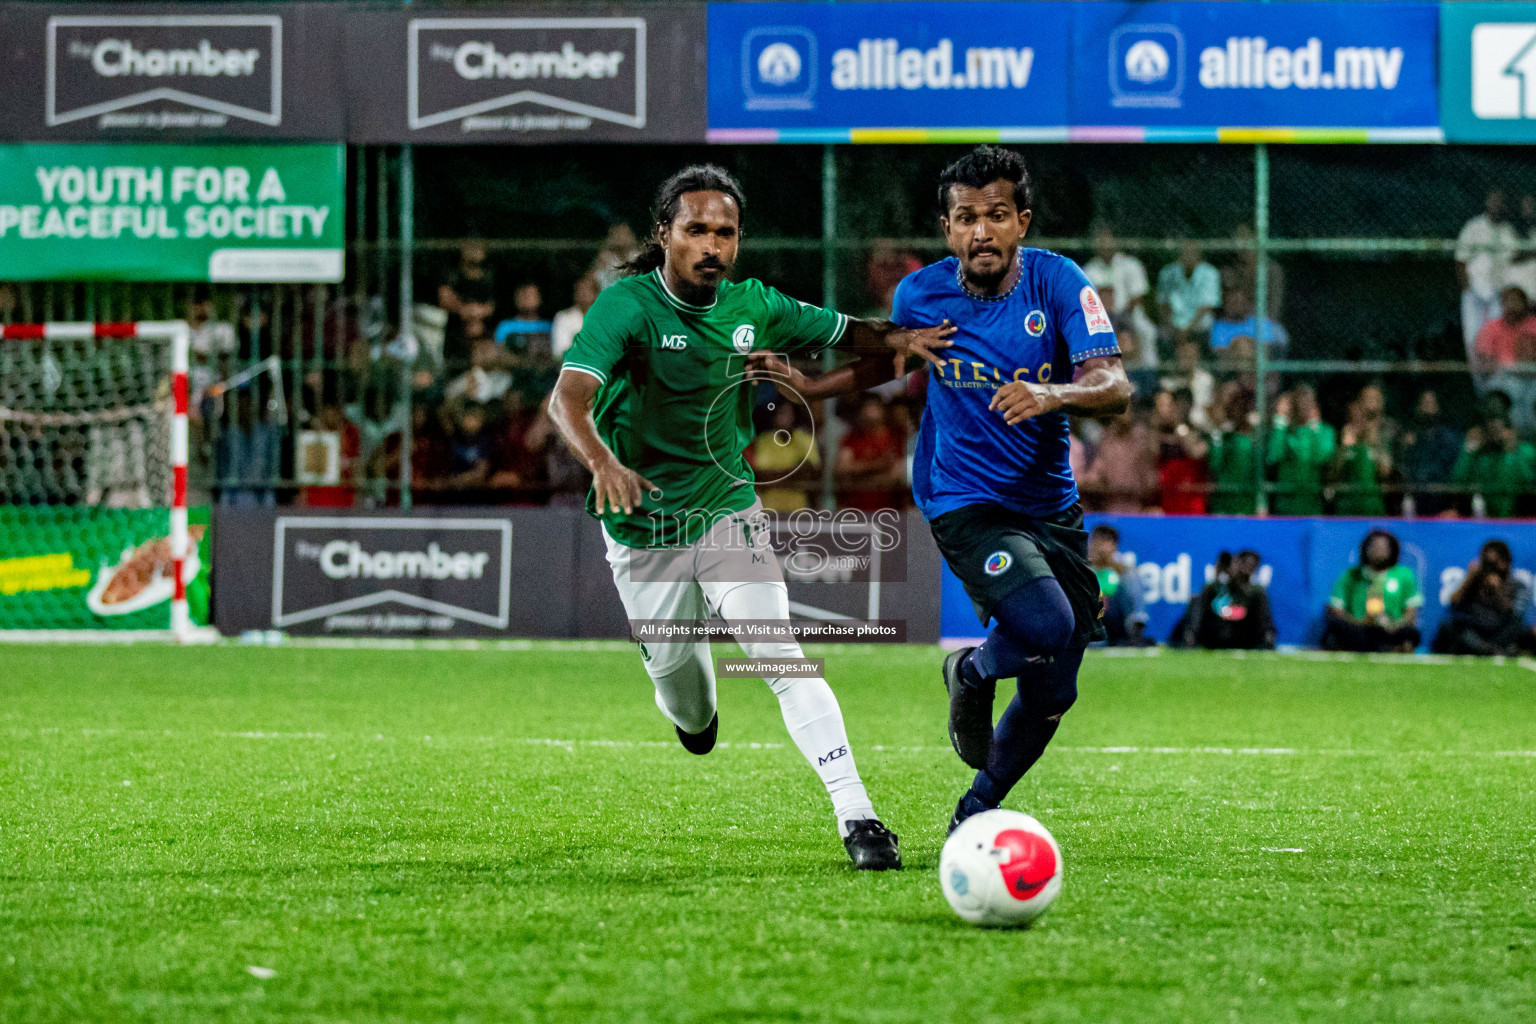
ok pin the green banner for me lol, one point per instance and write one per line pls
(72, 567)
(172, 213)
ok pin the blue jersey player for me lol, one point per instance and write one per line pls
(1032, 343)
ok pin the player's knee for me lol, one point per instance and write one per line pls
(1038, 616)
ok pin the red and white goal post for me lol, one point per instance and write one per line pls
(118, 433)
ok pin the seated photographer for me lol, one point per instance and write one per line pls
(1488, 613)
(1374, 605)
(1231, 612)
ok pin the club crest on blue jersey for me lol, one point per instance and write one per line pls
(1035, 323)
(997, 563)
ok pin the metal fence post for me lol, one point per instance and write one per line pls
(407, 316)
(829, 421)
(1261, 311)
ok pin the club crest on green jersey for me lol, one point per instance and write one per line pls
(743, 337)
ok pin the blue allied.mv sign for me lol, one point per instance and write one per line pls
(778, 68)
(1488, 72)
(1305, 64)
(1146, 66)
(824, 70)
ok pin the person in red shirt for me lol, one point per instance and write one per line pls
(1509, 339)
(339, 494)
(1182, 470)
(870, 462)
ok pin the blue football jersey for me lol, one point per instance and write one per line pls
(966, 454)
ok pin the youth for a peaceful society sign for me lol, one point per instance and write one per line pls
(172, 212)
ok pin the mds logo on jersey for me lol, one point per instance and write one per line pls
(674, 342)
(778, 68)
(1146, 66)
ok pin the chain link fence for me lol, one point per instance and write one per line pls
(309, 393)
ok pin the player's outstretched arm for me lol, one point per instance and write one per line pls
(1099, 389)
(615, 486)
(870, 336)
(868, 371)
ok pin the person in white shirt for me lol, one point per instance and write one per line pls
(208, 340)
(567, 322)
(1188, 293)
(1125, 276)
(484, 381)
(1484, 250)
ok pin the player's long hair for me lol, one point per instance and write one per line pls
(693, 178)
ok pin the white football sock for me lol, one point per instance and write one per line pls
(810, 710)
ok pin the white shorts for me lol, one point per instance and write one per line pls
(731, 572)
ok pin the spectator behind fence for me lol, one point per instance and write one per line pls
(886, 267)
(246, 460)
(1375, 604)
(1427, 457)
(1300, 448)
(1188, 374)
(526, 335)
(870, 461)
(484, 381)
(513, 464)
(618, 249)
(469, 446)
(1362, 463)
(567, 323)
(1232, 611)
(1188, 293)
(1497, 467)
(1231, 458)
(1502, 343)
(1238, 320)
(1490, 612)
(1484, 250)
(1181, 468)
(1246, 273)
(1125, 608)
(331, 420)
(1122, 283)
(378, 415)
(785, 460)
(1124, 469)
(468, 294)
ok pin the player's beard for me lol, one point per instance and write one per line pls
(986, 281)
(701, 293)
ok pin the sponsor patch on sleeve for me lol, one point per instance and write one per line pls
(1093, 312)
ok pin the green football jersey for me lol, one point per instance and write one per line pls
(674, 405)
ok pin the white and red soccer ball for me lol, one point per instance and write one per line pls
(1000, 868)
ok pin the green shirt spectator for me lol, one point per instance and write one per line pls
(1299, 451)
(1357, 470)
(1369, 594)
(1375, 604)
(1498, 465)
(1233, 471)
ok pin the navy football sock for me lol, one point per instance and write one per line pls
(1045, 693)
(1033, 622)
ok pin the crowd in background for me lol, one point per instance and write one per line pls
(471, 373)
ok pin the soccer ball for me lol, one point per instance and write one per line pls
(1000, 868)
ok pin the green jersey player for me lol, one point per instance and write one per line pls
(655, 398)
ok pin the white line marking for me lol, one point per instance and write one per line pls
(884, 748)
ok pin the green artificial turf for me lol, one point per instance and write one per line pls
(478, 836)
